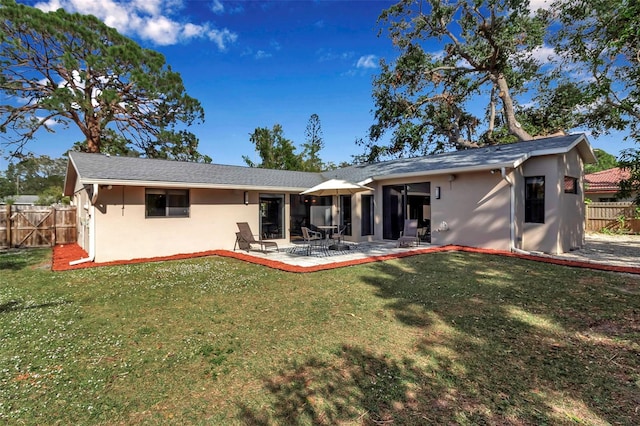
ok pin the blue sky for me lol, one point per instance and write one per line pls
(259, 63)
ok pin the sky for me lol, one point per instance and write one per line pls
(259, 63)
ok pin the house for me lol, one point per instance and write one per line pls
(523, 196)
(603, 186)
(21, 200)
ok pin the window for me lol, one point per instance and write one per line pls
(367, 214)
(272, 215)
(166, 203)
(345, 213)
(534, 199)
(570, 185)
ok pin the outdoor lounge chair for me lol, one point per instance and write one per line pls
(312, 238)
(245, 238)
(409, 235)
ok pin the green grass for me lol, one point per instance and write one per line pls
(448, 338)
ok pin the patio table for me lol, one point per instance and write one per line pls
(337, 246)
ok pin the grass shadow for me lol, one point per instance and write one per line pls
(495, 341)
(13, 306)
(18, 259)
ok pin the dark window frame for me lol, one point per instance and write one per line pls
(570, 185)
(534, 195)
(167, 203)
(367, 213)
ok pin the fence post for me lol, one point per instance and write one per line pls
(8, 207)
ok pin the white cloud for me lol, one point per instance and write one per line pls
(368, 61)
(222, 37)
(153, 20)
(217, 7)
(534, 5)
(544, 54)
(161, 30)
(261, 54)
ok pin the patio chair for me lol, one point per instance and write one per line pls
(245, 238)
(409, 234)
(312, 238)
(338, 235)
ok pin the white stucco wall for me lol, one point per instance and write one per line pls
(563, 227)
(476, 209)
(475, 206)
(123, 232)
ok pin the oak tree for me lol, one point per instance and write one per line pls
(599, 41)
(460, 67)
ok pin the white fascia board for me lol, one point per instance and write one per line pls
(565, 149)
(157, 184)
(70, 164)
(450, 170)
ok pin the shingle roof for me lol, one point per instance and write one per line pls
(496, 156)
(99, 168)
(605, 180)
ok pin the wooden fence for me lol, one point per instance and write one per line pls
(37, 226)
(615, 217)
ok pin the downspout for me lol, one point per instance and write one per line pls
(92, 229)
(512, 209)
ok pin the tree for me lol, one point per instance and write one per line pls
(601, 39)
(427, 98)
(314, 143)
(35, 175)
(276, 151)
(60, 69)
(605, 161)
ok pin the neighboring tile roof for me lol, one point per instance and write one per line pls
(605, 180)
(99, 168)
(495, 156)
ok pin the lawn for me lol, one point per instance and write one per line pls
(444, 338)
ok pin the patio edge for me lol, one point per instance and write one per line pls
(62, 254)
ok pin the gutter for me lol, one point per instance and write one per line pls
(512, 209)
(92, 232)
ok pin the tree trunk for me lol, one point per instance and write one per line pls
(93, 136)
(509, 113)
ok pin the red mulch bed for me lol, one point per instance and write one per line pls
(63, 254)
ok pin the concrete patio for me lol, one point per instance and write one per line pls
(296, 254)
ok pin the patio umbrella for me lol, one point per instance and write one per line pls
(335, 187)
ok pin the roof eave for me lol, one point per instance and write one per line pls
(450, 170)
(69, 181)
(164, 184)
(585, 149)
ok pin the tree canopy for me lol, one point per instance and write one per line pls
(278, 152)
(454, 56)
(599, 41)
(61, 69)
(313, 145)
(35, 175)
(605, 161)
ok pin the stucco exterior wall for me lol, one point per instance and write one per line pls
(476, 210)
(563, 227)
(81, 201)
(123, 232)
(542, 236)
(475, 206)
(572, 207)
